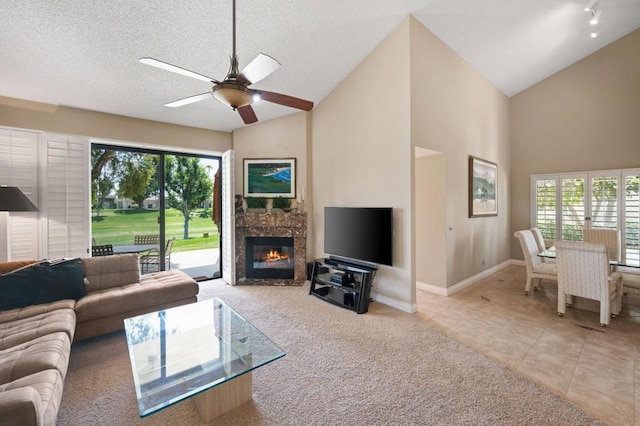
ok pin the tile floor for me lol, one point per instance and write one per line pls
(596, 368)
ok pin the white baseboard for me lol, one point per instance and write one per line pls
(467, 282)
(395, 303)
(440, 291)
(412, 308)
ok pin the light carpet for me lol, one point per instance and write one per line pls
(384, 367)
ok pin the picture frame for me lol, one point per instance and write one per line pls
(483, 187)
(270, 177)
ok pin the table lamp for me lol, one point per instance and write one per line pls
(14, 200)
(11, 200)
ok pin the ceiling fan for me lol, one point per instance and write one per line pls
(234, 89)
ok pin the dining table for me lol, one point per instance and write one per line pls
(134, 248)
(550, 253)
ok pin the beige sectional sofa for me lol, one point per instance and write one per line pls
(35, 341)
(116, 290)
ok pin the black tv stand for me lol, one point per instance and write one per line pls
(342, 283)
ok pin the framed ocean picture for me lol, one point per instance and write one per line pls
(483, 187)
(270, 177)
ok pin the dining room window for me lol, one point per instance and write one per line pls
(564, 204)
(631, 209)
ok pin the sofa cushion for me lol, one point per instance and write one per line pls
(31, 400)
(104, 272)
(42, 353)
(154, 289)
(13, 333)
(34, 310)
(43, 282)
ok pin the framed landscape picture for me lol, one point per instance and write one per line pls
(483, 187)
(270, 177)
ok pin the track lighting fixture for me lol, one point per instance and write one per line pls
(596, 17)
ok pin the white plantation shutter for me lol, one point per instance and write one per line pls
(573, 211)
(545, 215)
(66, 196)
(19, 167)
(599, 199)
(631, 209)
(604, 201)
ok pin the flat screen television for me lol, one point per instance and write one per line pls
(361, 233)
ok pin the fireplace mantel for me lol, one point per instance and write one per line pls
(274, 224)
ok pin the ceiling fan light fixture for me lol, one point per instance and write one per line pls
(234, 95)
(590, 5)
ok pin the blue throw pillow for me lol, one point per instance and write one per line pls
(66, 280)
(20, 288)
(42, 283)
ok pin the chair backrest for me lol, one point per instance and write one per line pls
(169, 245)
(146, 239)
(539, 239)
(103, 250)
(529, 248)
(583, 269)
(167, 251)
(608, 237)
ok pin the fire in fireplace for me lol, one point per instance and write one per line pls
(269, 257)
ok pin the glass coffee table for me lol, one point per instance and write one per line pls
(204, 351)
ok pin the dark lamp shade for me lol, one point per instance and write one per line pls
(13, 200)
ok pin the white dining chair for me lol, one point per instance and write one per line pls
(608, 237)
(536, 269)
(583, 271)
(630, 280)
(541, 245)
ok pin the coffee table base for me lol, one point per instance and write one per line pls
(224, 398)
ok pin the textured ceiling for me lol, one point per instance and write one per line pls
(84, 53)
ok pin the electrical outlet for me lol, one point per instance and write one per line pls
(483, 262)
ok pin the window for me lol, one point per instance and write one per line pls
(545, 194)
(631, 209)
(573, 208)
(566, 203)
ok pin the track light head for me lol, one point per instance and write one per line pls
(596, 17)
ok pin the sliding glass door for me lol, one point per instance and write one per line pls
(161, 205)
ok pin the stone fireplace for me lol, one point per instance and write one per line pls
(271, 248)
(269, 257)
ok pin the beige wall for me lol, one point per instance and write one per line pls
(71, 121)
(284, 137)
(456, 111)
(362, 155)
(585, 117)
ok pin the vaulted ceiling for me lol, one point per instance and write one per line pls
(84, 53)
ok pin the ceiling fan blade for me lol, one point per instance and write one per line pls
(178, 70)
(189, 100)
(259, 68)
(248, 114)
(286, 100)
